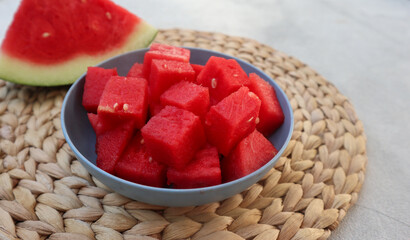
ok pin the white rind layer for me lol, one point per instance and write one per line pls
(24, 72)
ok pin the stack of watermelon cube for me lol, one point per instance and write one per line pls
(170, 123)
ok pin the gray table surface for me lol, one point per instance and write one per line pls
(363, 47)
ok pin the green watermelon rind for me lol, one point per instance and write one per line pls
(21, 71)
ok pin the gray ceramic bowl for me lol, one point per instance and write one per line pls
(81, 138)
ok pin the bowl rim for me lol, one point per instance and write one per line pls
(94, 167)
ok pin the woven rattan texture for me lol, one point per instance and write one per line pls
(45, 193)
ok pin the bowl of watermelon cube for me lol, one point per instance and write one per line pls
(176, 126)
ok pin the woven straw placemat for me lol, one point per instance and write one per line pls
(46, 193)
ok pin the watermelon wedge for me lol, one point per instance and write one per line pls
(52, 43)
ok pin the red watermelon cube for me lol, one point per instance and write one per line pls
(163, 51)
(270, 115)
(249, 155)
(136, 71)
(188, 96)
(125, 97)
(170, 50)
(165, 73)
(232, 119)
(222, 77)
(111, 143)
(93, 118)
(154, 108)
(95, 81)
(203, 171)
(197, 68)
(137, 166)
(101, 124)
(173, 136)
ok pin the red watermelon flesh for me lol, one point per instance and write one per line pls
(136, 165)
(232, 119)
(125, 97)
(165, 73)
(94, 85)
(203, 171)
(103, 124)
(93, 118)
(197, 68)
(170, 146)
(155, 107)
(80, 15)
(271, 116)
(169, 49)
(188, 96)
(111, 144)
(136, 71)
(173, 136)
(164, 52)
(249, 155)
(222, 77)
(53, 42)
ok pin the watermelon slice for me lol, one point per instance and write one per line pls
(203, 171)
(53, 42)
(249, 155)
